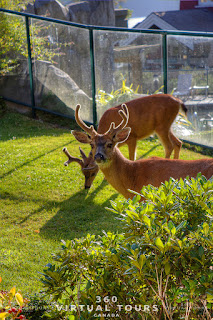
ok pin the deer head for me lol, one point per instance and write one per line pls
(103, 144)
(89, 167)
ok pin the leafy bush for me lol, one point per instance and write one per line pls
(104, 98)
(13, 48)
(159, 268)
(11, 304)
(36, 307)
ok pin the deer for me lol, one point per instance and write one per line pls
(89, 167)
(154, 113)
(125, 175)
(147, 115)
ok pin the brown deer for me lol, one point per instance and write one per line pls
(89, 167)
(154, 113)
(124, 174)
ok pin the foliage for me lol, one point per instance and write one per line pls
(13, 39)
(160, 268)
(104, 98)
(11, 304)
(199, 149)
(116, 97)
(15, 5)
(36, 307)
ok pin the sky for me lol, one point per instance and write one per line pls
(142, 8)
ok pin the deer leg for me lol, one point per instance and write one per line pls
(164, 137)
(176, 145)
(132, 149)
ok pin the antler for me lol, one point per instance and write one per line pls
(90, 130)
(84, 157)
(89, 162)
(71, 159)
(124, 113)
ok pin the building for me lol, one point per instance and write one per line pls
(194, 15)
(142, 8)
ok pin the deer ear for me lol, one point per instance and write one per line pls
(81, 136)
(122, 135)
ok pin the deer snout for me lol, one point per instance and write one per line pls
(99, 157)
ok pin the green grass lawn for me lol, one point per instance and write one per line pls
(42, 202)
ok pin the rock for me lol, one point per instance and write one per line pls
(121, 19)
(54, 89)
(30, 8)
(93, 12)
(51, 81)
(52, 9)
(16, 85)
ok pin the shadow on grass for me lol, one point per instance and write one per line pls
(146, 154)
(16, 125)
(34, 159)
(77, 216)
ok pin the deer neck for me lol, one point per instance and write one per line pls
(119, 172)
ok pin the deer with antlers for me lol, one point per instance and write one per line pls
(124, 174)
(88, 165)
(154, 113)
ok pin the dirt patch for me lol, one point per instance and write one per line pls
(18, 107)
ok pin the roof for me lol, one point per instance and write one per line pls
(200, 19)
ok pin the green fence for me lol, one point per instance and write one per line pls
(53, 65)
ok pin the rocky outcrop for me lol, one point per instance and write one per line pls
(73, 43)
(53, 82)
(54, 89)
(67, 79)
(93, 12)
(51, 9)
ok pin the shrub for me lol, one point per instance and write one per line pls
(159, 268)
(13, 48)
(11, 304)
(36, 307)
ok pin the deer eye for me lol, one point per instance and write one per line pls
(109, 145)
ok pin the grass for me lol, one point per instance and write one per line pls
(42, 202)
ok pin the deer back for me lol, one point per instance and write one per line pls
(145, 114)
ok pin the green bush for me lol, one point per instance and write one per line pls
(37, 307)
(13, 45)
(11, 304)
(159, 268)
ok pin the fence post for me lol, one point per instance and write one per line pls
(30, 67)
(92, 60)
(165, 63)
